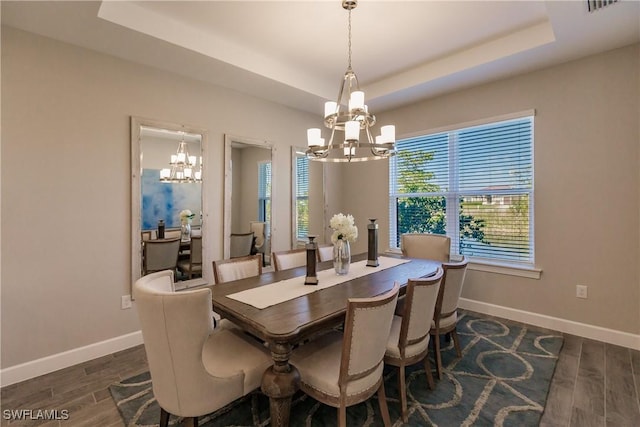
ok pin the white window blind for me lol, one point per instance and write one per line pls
(474, 184)
(302, 197)
(264, 193)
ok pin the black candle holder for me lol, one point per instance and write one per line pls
(312, 247)
(372, 237)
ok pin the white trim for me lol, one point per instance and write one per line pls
(611, 336)
(472, 123)
(511, 270)
(54, 362)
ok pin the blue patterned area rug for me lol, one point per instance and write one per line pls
(502, 379)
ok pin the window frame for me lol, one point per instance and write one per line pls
(453, 194)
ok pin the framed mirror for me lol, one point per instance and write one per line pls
(167, 199)
(249, 187)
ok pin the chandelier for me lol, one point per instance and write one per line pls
(350, 115)
(183, 166)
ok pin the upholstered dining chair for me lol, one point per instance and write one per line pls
(408, 342)
(160, 255)
(241, 244)
(342, 370)
(195, 369)
(226, 270)
(193, 265)
(445, 317)
(259, 229)
(285, 260)
(427, 246)
(325, 253)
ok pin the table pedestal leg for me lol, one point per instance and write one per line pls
(280, 382)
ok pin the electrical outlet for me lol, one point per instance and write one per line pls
(126, 302)
(581, 291)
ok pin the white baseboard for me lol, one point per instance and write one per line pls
(45, 365)
(611, 336)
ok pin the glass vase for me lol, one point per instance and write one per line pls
(185, 233)
(341, 256)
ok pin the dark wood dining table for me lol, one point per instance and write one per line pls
(288, 323)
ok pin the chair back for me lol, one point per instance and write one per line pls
(195, 248)
(172, 233)
(161, 255)
(325, 253)
(419, 307)
(259, 231)
(175, 326)
(366, 331)
(289, 259)
(241, 244)
(427, 246)
(227, 270)
(451, 287)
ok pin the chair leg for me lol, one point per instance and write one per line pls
(191, 422)
(438, 356)
(402, 390)
(456, 342)
(382, 401)
(164, 418)
(342, 416)
(427, 369)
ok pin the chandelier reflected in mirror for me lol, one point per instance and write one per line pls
(350, 114)
(184, 167)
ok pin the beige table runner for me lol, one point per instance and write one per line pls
(285, 290)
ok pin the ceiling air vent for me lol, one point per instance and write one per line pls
(594, 5)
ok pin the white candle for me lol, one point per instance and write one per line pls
(330, 108)
(356, 101)
(352, 130)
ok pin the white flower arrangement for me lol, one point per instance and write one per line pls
(186, 216)
(344, 228)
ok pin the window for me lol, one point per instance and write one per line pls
(474, 184)
(301, 197)
(264, 193)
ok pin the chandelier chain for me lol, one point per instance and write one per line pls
(349, 38)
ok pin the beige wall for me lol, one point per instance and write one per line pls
(65, 196)
(587, 213)
(66, 191)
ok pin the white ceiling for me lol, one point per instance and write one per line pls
(295, 52)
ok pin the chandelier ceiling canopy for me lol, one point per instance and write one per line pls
(350, 114)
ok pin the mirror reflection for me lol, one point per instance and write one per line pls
(167, 199)
(299, 197)
(248, 195)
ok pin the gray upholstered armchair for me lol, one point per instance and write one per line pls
(194, 369)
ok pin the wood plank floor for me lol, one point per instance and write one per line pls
(595, 384)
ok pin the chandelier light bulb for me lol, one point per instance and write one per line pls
(330, 107)
(313, 137)
(352, 130)
(349, 151)
(388, 134)
(356, 101)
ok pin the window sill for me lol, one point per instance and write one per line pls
(493, 267)
(508, 269)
